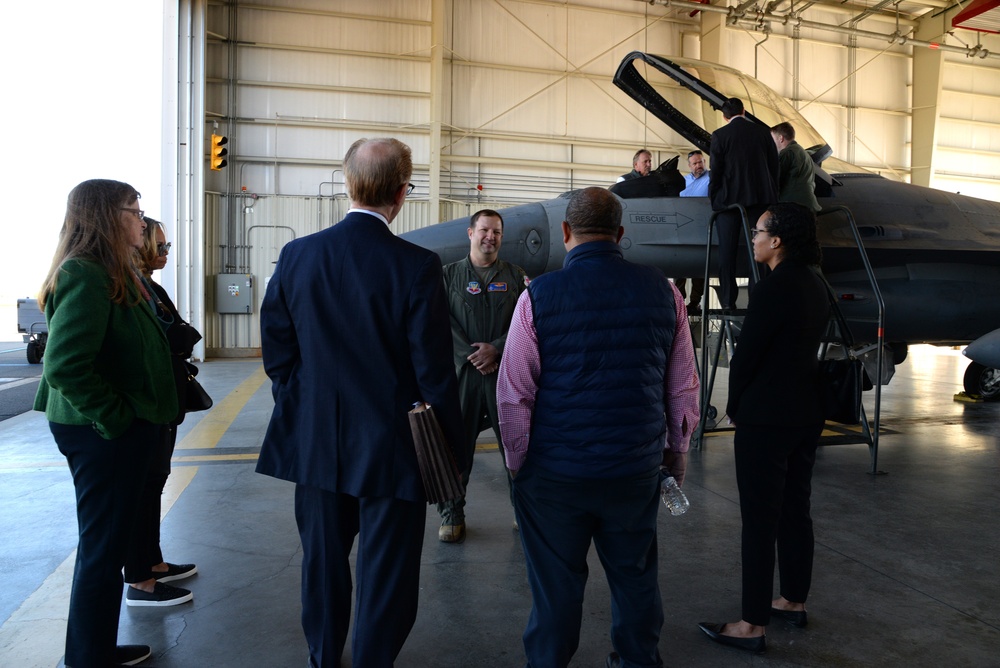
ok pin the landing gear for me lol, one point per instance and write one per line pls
(899, 352)
(35, 350)
(983, 381)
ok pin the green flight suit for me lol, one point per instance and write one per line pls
(481, 310)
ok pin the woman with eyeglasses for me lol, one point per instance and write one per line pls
(105, 388)
(146, 572)
(775, 402)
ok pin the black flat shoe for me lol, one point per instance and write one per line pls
(756, 645)
(797, 618)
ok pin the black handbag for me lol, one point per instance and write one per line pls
(195, 396)
(842, 380)
(182, 338)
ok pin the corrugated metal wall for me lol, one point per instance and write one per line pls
(265, 225)
(528, 109)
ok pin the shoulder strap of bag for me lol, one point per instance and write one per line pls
(845, 332)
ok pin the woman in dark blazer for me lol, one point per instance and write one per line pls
(105, 388)
(146, 572)
(775, 402)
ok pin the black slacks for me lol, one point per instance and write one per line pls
(144, 548)
(728, 227)
(774, 474)
(107, 477)
(391, 536)
(697, 289)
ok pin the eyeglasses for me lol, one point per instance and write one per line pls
(137, 212)
(754, 232)
(409, 188)
(163, 249)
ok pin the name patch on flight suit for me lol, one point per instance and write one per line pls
(497, 287)
(473, 288)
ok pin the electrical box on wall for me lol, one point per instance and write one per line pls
(234, 293)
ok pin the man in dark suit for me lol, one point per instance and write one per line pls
(354, 330)
(744, 171)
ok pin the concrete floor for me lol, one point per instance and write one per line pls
(906, 567)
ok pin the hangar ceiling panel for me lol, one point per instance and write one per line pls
(341, 32)
(513, 34)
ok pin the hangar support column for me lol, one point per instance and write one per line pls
(437, 106)
(928, 65)
(713, 26)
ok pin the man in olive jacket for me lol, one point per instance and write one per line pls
(796, 173)
(482, 292)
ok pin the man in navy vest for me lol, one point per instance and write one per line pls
(597, 390)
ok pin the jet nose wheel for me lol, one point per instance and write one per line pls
(983, 381)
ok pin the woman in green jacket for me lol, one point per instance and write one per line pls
(106, 388)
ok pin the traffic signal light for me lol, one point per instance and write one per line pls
(218, 158)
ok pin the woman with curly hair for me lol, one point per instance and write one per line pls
(775, 401)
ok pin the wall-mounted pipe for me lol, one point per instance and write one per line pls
(743, 15)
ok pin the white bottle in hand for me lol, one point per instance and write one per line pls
(673, 498)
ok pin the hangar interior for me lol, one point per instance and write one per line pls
(505, 102)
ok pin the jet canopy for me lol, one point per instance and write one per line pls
(687, 95)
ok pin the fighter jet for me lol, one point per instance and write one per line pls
(935, 255)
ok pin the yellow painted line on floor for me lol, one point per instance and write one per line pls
(34, 635)
(15, 466)
(182, 459)
(211, 428)
(216, 458)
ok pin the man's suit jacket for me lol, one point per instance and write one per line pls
(354, 330)
(744, 165)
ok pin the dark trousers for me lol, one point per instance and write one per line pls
(478, 396)
(144, 548)
(728, 225)
(774, 475)
(697, 289)
(391, 536)
(558, 519)
(107, 477)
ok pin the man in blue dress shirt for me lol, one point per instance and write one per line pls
(697, 186)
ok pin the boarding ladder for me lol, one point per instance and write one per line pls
(720, 330)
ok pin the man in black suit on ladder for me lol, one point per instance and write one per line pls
(744, 171)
